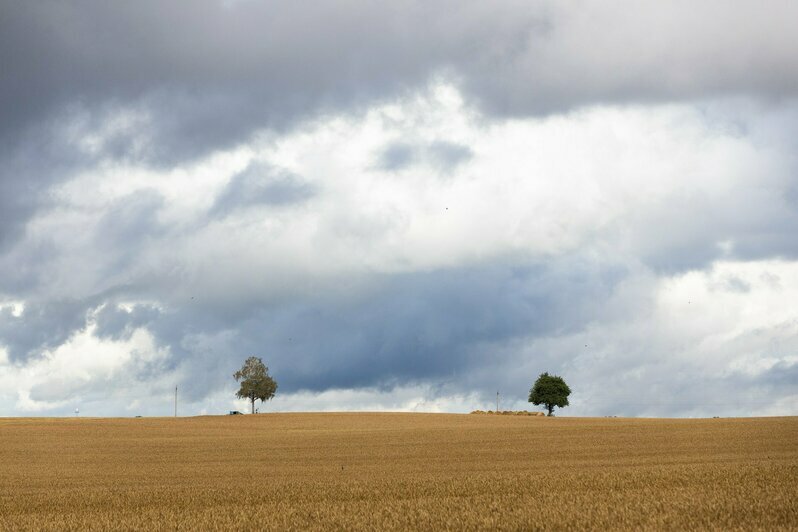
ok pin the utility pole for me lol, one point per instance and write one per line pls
(175, 401)
(497, 401)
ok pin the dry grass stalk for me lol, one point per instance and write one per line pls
(398, 471)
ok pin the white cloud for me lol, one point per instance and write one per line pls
(691, 343)
(414, 398)
(478, 190)
(402, 398)
(16, 307)
(605, 178)
(655, 190)
(82, 367)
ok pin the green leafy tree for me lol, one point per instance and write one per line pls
(549, 391)
(256, 383)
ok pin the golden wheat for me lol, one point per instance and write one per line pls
(398, 471)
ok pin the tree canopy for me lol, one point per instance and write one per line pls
(549, 391)
(256, 383)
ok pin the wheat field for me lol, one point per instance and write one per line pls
(398, 471)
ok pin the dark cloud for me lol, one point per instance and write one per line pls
(261, 184)
(131, 218)
(689, 230)
(397, 156)
(782, 376)
(409, 328)
(673, 387)
(162, 84)
(92, 85)
(419, 327)
(447, 156)
(735, 284)
(770, 242)
(179, 81)
(210, 72)
(462, 330)
(116, 323)
(441, 155)
(41, 326)
(25, 267)
(31, 161)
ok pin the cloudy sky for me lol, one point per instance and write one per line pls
(399, 206)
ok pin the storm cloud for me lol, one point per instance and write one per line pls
(399, 206)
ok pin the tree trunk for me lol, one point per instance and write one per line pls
(551, 409)
(253, 404)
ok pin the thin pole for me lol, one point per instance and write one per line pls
(497, 401)
(175, 401)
